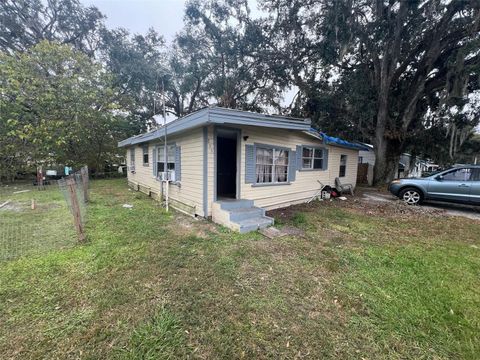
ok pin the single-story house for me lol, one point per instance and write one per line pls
(233, 165)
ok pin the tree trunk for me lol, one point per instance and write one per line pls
(380, 169)
(380, 143)
(385, 168)
(387, 156)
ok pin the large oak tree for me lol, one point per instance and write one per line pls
(231, 47)
(57, 106)
(395, 61)
(25, 23)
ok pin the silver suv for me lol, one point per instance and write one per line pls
(460, 184)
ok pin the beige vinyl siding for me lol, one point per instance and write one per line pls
(305, 184)
(190, 192)
(334, 165)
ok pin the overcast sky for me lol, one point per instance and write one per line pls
(165, 16)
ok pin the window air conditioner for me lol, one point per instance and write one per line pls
(169, 175)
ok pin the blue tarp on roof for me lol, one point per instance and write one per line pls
(330, 140)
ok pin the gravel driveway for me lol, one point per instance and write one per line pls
(467, 211)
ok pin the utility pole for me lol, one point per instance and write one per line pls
(165, 149)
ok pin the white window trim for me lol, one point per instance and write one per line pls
(274, 149)
(312, 158)
(162, 161)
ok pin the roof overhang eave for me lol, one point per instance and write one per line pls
(219, 117)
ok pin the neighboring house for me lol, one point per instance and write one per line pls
(416, 168)
(406, 166)
(216, 156)
(366, 156)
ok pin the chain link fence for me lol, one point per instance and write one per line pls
(37, 219)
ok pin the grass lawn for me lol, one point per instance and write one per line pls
(27, 232)
(360, 283)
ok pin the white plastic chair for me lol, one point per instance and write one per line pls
(343, 187)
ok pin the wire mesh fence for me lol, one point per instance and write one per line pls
(36, 219)
(25, 239)
(75, 191)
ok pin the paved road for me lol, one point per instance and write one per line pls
(471, 212)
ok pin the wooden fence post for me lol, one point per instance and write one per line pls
(40, 178)
(84, 173)
(77, 216)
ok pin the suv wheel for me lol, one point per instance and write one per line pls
(411, 196)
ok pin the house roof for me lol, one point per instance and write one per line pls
(217, 115)
(334, 141)
(330, 140)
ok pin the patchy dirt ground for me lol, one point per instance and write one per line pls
(381, 203)
(13, 206)
(374, 196)
(20, 206)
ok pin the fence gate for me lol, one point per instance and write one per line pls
(362, 174)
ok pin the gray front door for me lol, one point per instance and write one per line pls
(453, 185)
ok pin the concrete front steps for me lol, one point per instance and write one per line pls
(240, 215)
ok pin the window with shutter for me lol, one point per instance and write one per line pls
(271, 165)
(312, 158)
(161, 158)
